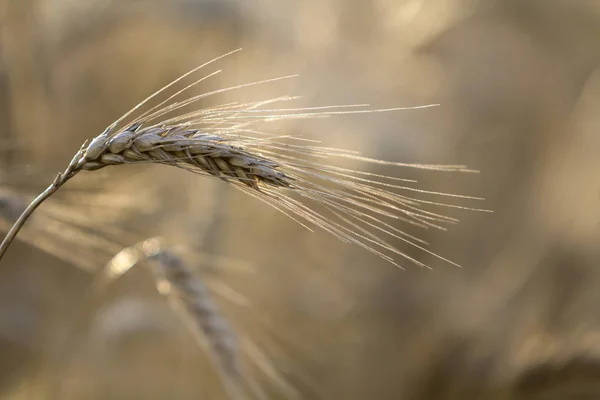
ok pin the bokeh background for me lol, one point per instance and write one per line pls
(519, 88)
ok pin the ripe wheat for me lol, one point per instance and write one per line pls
(296, 179)
(190, 298)
(192, 301)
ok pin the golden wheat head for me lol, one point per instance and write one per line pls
(296, 178)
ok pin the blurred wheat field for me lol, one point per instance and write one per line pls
(519, 88)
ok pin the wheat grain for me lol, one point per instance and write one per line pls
(296, 179)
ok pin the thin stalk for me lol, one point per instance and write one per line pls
(61, 179)
(27, 213)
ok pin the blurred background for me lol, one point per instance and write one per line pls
(519, 88)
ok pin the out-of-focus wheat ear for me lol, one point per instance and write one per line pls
(192, 302)
(11, 205)
(194, 305)
(63, 230)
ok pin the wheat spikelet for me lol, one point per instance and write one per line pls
(297, 179)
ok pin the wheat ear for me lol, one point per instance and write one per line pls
(164, 145)
(223, 142)
(191, 300)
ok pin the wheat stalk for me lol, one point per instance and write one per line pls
(64, 227)
(293, 178)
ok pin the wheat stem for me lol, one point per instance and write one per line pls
(27, 213)
(61, 179)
